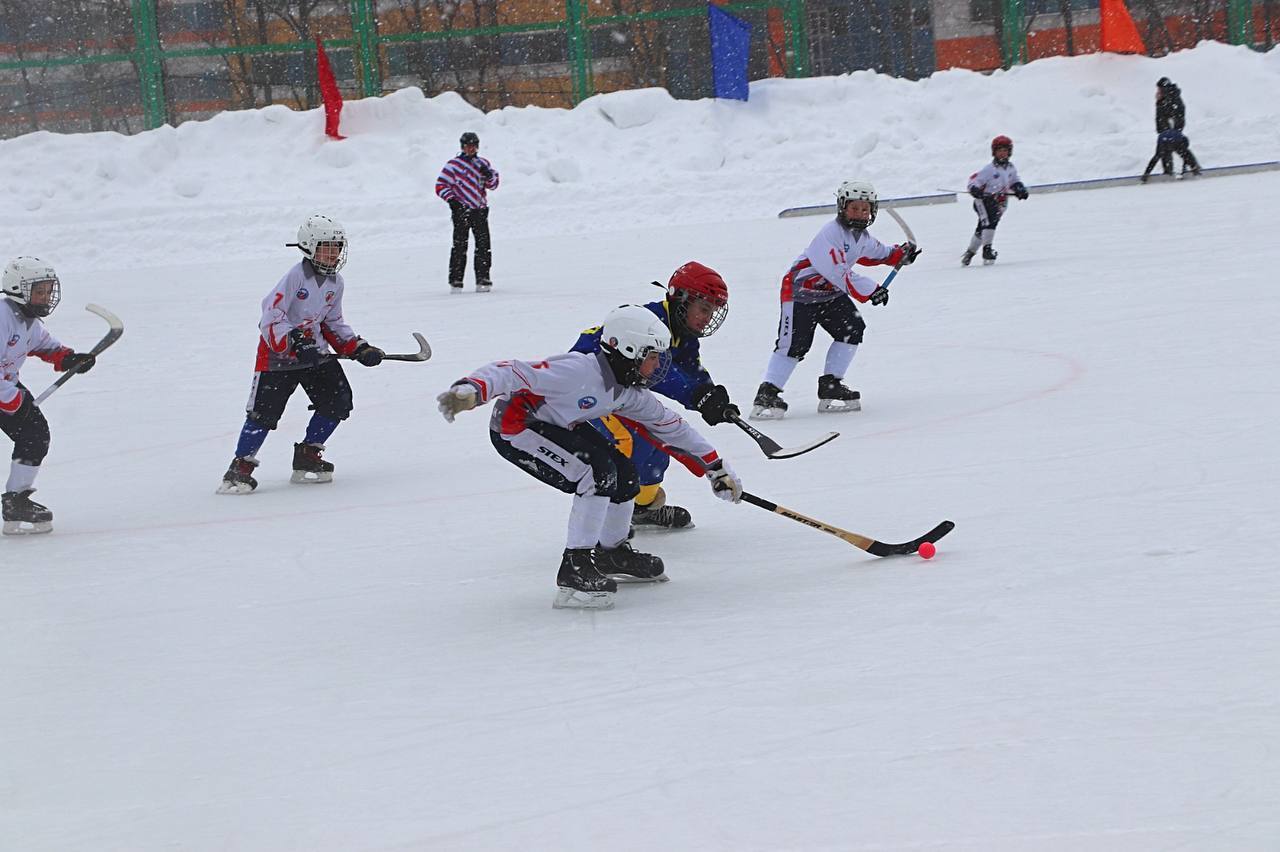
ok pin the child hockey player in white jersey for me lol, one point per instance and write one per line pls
(541, 424)
(990, 188)
(301, 319)
(31, 292)
(820, 289)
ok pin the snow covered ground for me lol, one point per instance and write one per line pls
(1090, 662)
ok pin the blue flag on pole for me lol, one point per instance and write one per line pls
(730, 50)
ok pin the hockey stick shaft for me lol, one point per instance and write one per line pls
(906, 229)
(862, 542)
(114, 330)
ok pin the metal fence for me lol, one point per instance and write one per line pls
(128, 65)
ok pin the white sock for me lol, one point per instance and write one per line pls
(839, 357)
(21, 476)
(617, 523)
(975, 243)
(988, 235)
(780, 368)
(586, 519)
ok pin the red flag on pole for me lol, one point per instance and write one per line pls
(328, 91)
(1119, 33)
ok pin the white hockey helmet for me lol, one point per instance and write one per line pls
(631, 333)
(856, 190)
(20, 280)
(319, 230)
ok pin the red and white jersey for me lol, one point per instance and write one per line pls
(20, 336)
(995, 179)
(828, 266)
(575, 387)
(309, 301)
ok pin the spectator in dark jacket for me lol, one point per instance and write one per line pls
(1171, 118)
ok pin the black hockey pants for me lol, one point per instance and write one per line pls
(614, 474)
(28, 430)
(465, 221)
(325, 385)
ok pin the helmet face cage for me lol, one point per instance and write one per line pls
(320, 231)
(692, 283)
(21, 279)
(1002, 142)
(632, 333)
(856, 190)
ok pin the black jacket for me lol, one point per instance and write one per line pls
(1171, 113)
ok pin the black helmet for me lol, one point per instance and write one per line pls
(469, 138)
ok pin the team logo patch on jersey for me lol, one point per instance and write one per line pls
(328, 297)
(302, 294)
(587, 402)
(13, 341)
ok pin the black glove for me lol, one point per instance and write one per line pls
(485, 171)
(81, 360)
(712, 402)
(304, 348)
(1020, 191)
(368, 354)
(910, 251)
(975, 191)
(456, 206)
(880, 295)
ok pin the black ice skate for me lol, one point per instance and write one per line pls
(769, 404)
(484, 286)
(835, 398)
(24, 516)
(582, 586)
(988, 255)
(966, 257)
(658, 515)
(239, 477)
(308, 467)
(626, 565)
(455, 287)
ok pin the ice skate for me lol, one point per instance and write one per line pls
(626, 565)
(484, 286)
(835, 398)
(24, 516)
(308, 467)
(658, 515)
(768, 404)
(581, 585)
(966, 257)
(239, 477)
(988, 255)
(455, 287)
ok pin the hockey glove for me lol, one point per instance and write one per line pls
(1020, 191)
(910, 251)
(80, 361)
(880, 295)
(367, 354)
(485, 172)
(725, 484)
(712, 402)
(304, 348)
(975, 191)
(457, 399)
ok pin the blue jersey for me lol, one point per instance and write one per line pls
(686, 371)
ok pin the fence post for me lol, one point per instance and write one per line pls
(798, 39)
(367, 60)
(1240, 22)
(150, 64)
(1013, 38)
(579, 51)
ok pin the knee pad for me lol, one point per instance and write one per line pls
(615, 477)
(259, 419)
(339, 408)
(856, 327)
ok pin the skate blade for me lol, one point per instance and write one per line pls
(835, 406)
(631, 578)
(761, 413)
(578, 599)
(307, 477)
(643, 527)
(988, 262)
(27, 528)
(480, 288)
(235, 488)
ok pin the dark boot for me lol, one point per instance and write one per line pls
(988, 255)
(308, 466)
(581, 585)
(833, 396)
(239, 476)
(627, 565)
(659, 514)
(24, 516)
(768, 404)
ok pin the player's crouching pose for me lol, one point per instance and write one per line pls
(301, 319)
(31, 291)
(541, 424)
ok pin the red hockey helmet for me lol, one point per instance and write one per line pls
(694, 283)
(1002, 141)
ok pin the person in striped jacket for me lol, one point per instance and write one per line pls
(463, 183)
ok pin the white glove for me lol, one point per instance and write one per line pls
(457, 399)
(724, 482)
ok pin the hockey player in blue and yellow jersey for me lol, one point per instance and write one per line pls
(696, 304)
